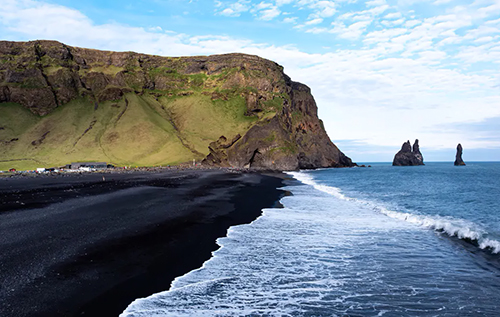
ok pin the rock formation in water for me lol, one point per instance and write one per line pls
(60, 104)
(458, 157)
(408, 157)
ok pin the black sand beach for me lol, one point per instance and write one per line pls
(82, 246)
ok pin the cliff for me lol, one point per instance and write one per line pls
(60, 104)
(408, 156)
(458, 157)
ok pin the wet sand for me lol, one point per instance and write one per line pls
(79, 245)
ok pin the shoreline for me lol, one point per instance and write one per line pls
(94, 254)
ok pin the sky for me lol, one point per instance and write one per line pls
(381, 71)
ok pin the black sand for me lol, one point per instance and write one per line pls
(81, 246)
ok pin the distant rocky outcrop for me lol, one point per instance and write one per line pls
(408, 156)
(458, 158)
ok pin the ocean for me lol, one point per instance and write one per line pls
(375, 241)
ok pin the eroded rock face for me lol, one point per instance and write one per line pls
(218, 151)
(283, 142)
(286, 135)
(408, 156)
(458, 157)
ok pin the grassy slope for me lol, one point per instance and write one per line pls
(146, 132)
(138, 130)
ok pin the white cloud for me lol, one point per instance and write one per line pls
(314, 21)
(439, 2)
(229, 12)
(155, 29)
(283, 2)
(392, 23)
(263, 5)
(484, 39)
(375, 3)
(266, 11)
(492, 22)
(355, 16)
(324, 9)
(412, 23)
(488, 52)
(393, 15)
(378, 10)
(432, 56)
(317, 30)
(235, 9)
(269, 14)
(384, 35)
(481, 31)
(290, 20)
(350, 32)
(487, 11)
(378, 7)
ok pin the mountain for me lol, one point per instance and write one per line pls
(62, 104)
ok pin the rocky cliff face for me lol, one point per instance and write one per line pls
(408, 156)
(458, 157)
(233, 110)
(295, 138)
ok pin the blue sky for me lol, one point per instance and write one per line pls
(382, 72)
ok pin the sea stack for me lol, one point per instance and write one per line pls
(458, 158)
(408, 156)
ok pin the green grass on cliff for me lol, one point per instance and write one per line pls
(171, 123)
(202, 120)
(136, 130)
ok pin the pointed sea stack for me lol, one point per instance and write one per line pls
(416, 153)
(408, 157)
(458, 158)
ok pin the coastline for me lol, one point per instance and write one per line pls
(79, 246)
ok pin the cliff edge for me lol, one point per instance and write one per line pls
(60, 104)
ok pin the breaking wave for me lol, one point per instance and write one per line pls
(453, 227)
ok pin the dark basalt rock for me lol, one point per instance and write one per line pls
(417, 154)
(218, 155)
(458, 158)
(408, 157)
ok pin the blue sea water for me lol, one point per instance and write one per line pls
(378, 241)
